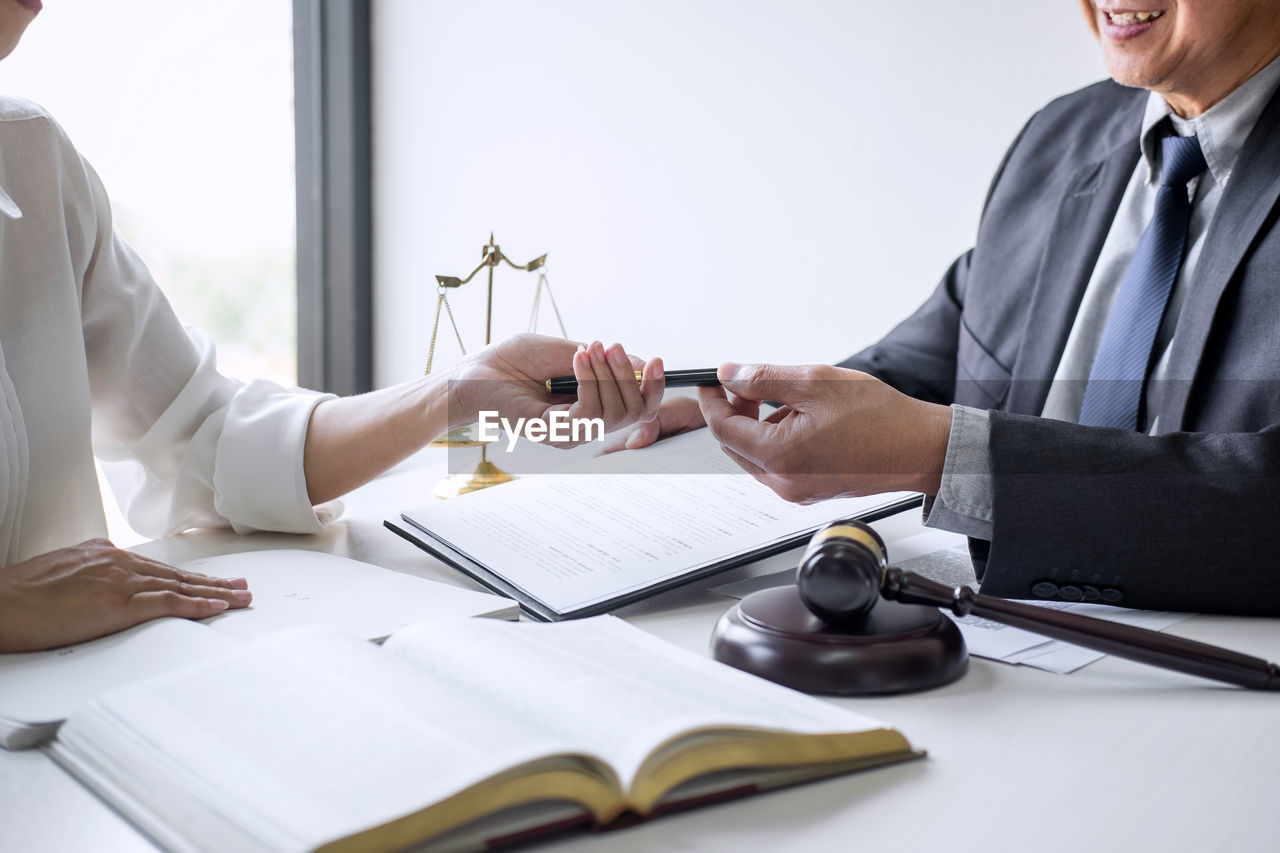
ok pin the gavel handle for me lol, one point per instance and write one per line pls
(1126, 641)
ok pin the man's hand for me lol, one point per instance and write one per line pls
(839, 432)
(510, 378)
(93, 589)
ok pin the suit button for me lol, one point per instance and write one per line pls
(1091, 593)
(1111, 595)
(1071, 593)
(1045, 589)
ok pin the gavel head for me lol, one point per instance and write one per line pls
(841, 572)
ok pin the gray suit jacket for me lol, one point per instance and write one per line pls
(1188, 519)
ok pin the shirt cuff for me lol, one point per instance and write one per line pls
(964, 500)
(259, 480)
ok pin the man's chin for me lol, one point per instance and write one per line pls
(1128, 70)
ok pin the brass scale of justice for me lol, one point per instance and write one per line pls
(485, 473)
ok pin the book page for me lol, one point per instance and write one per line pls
(624, 521)
(293, 587)
(304, 736)
(610, 687)
(44, 687)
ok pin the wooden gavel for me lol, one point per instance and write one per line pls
(845, 571)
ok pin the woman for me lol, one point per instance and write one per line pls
(93, 361)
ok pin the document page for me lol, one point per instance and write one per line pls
(293, 587)
(625, 522)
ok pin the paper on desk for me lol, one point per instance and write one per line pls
(1057, 656)
(944, 557)
(293, 587)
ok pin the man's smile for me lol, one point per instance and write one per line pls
(1125, 19)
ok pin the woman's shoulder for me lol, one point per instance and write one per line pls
(27, 126)
(35, 152)
(29, 131)
(20, 109)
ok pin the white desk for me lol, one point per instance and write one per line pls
(1116, 757)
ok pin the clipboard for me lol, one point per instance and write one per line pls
(492, 578)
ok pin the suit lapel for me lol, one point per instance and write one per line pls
(1246, 202)
(1074, 242)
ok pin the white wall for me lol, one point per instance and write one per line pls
(713, 180)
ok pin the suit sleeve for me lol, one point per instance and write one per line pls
(1183, 521)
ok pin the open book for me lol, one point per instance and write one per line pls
(290, 588)
(464, 733)
(611, 530)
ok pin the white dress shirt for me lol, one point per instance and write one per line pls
(964, 500)
(94, 362)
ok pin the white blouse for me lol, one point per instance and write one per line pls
(93, 361)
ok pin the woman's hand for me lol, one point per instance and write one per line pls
(677, 415)
(93, 589)
(353, 439)
(510, 378)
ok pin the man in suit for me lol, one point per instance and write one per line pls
(1093, 391)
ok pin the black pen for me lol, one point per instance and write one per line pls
(703, 376)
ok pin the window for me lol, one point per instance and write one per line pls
(186, 112)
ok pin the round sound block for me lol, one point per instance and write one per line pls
(896, 648)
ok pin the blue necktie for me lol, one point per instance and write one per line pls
(1114, 393)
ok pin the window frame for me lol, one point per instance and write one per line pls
(333, 179)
